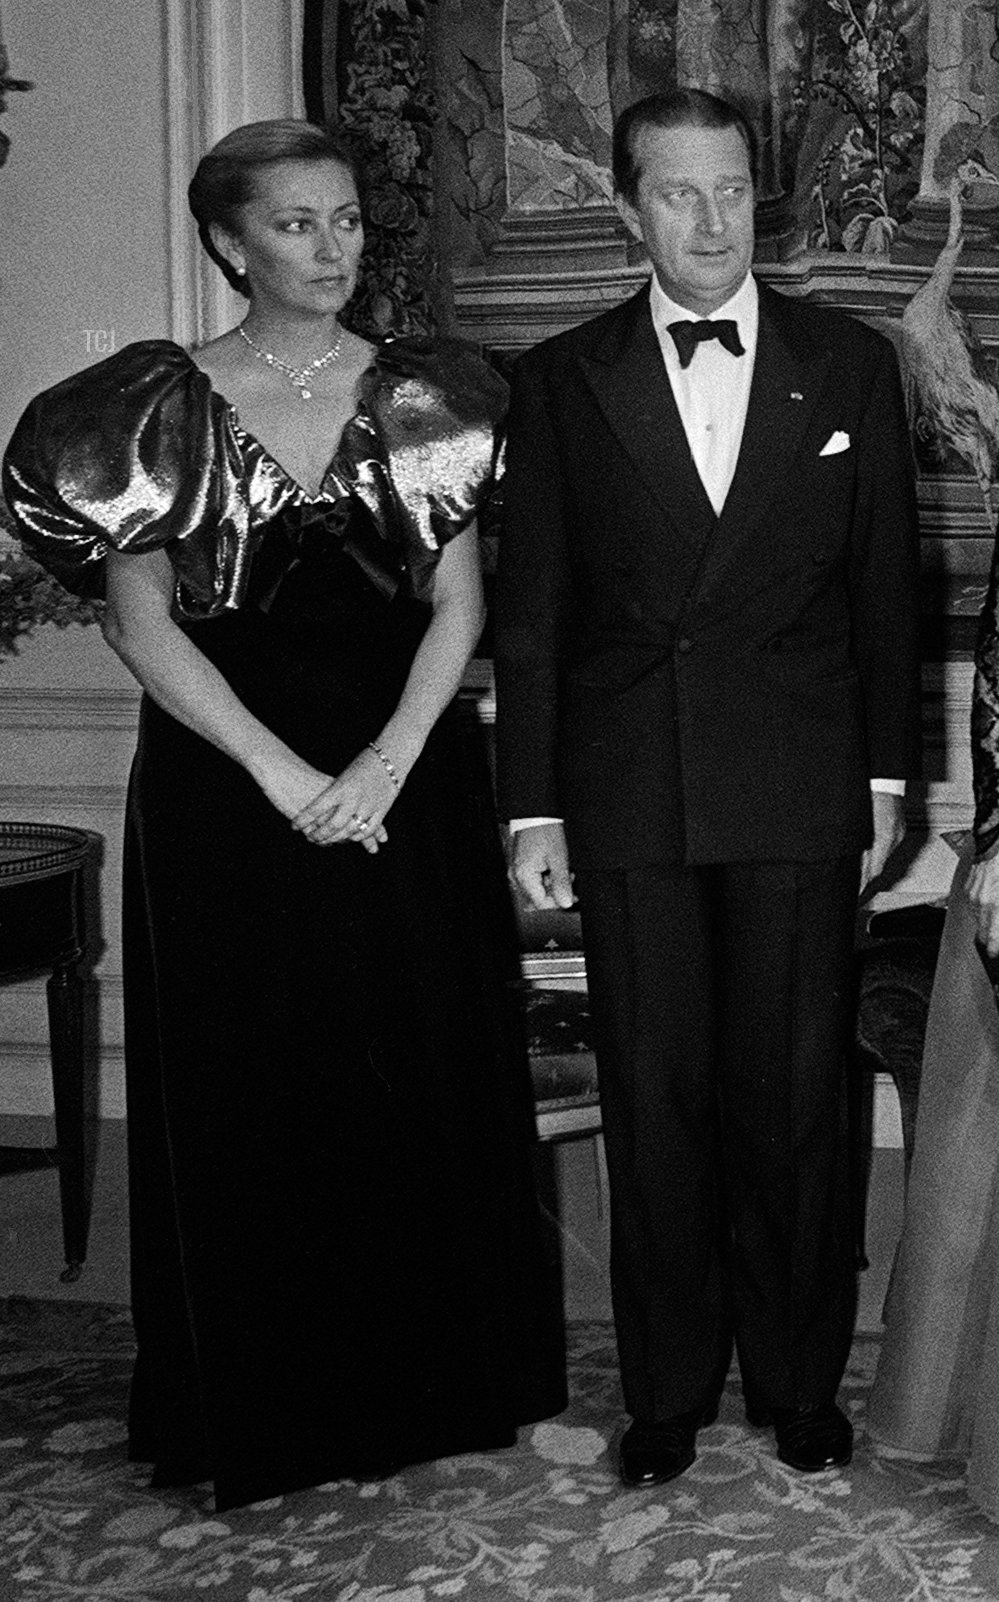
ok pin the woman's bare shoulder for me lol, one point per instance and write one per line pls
(220, 357)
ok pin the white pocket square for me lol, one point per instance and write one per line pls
(835, 443)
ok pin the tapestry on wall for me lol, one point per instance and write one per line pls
(856, 106)
(475, 114)
(373, 79)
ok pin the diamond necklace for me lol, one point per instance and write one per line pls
(301, 377)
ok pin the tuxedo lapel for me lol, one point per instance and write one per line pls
(787, 381)
(628, 377)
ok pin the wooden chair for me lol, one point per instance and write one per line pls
(43, 929)
(560, 1046)
(557, 1020)
(896, 957)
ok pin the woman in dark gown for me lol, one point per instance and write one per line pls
(336, 1264)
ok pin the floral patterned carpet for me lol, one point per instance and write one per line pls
(546, 1521)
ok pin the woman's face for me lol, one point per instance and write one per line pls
(299, 239)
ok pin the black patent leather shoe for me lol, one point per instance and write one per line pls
(652, 1454)
(813, 1438)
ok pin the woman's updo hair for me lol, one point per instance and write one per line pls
(225, 177)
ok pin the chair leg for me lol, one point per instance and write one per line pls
(64, 993)
(860, 1126)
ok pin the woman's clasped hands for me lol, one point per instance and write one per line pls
(351, 807)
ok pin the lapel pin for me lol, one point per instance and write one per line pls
(797, 395)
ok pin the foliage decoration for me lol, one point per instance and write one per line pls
(30, 597)
(386, 104)
(867, 98)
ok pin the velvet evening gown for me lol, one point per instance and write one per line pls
(336, 1259)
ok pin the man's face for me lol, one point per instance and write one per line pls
(694, 212)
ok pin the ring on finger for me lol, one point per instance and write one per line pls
(360, 824)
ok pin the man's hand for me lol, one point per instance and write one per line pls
(889, 832)
(539, 866)
(983, 893)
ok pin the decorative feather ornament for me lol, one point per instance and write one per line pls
(939, 348)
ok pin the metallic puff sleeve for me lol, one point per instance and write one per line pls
(425, 451)
(985, 720)
(138, 453)
(129, 454)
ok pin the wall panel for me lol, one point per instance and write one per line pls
(98, 242)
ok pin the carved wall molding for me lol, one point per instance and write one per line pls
(34, 800)
(511, 302)
(32, 1000)
(28, 1079)
(54, 709)
(227, 62)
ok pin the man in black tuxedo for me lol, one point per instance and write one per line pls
(708, 704)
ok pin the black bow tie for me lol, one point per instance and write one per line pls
(688, 335)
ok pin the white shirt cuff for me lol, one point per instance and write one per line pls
(889, 786)
(516, 824)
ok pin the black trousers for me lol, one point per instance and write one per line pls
(722, 1001)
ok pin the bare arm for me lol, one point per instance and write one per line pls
(982, 890)
(139, 628)
(364, 789)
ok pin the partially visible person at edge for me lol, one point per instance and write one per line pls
(936, 1390)
(708, 704)
(336, 1261)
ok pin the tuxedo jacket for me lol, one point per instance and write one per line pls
(686, 687)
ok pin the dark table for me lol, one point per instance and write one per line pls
(42, 926)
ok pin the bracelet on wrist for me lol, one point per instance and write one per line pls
(387, 765)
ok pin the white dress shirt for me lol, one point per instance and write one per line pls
(712, 397)
(712, 394)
